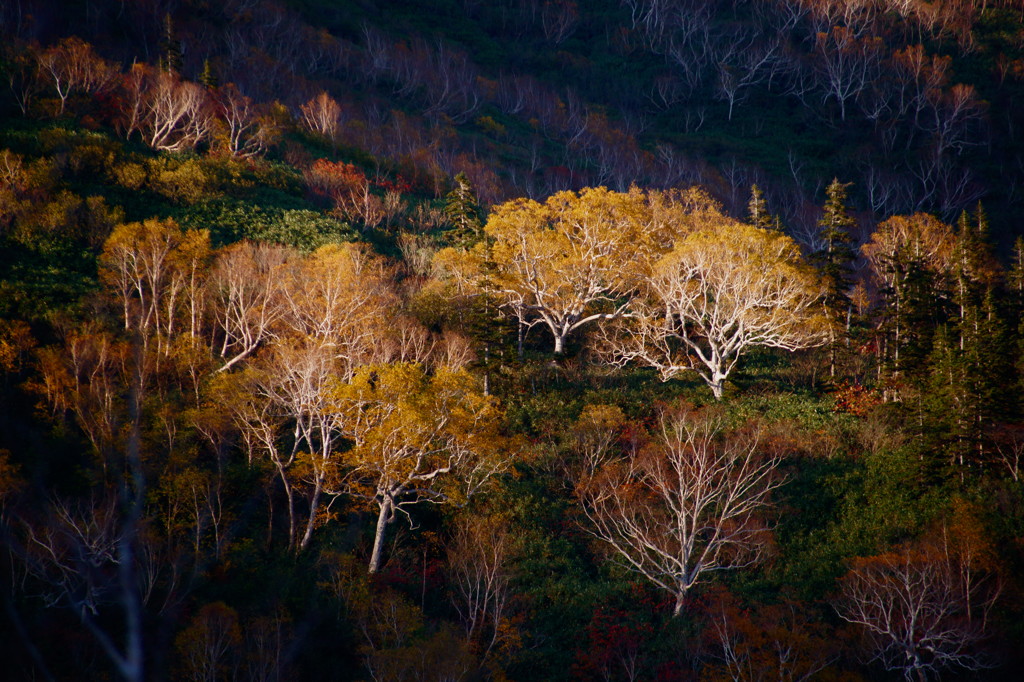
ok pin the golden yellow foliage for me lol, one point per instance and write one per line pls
(720, 291)
(417, 437)
(577, 257)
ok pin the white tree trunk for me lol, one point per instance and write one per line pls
(383, 518)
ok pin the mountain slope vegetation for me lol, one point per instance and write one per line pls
(639, 339)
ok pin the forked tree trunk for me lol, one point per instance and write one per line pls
(717, 384)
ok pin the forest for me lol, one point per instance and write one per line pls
(523, 340)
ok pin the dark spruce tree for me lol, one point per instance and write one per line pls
(208, 77)
(835, 261)
(462, 208)
(1015, 279)
(1015, 291)
(965, 393)
(480, 318)
(170, 48)
(923, 305)
(975, 270)
(944, 426)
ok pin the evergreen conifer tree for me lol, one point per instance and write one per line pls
(485, 324)
(946, 420)
(757, 211)
(973, 266)
(835, 261)
(208, 78)
(966, 389)
(1015, 290)
(463, 210)
(480, 317)
(993, 353)
(1015, 276)
(170, 48)
(924, 307)
(964, 281)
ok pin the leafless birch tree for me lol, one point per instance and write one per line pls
(72, 65)
(480, 575)
(684, 506)
(921, 612)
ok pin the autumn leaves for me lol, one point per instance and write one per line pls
(684, 287)
(337, 393)
(324, 382)
(718, 294)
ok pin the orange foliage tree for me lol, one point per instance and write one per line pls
(72, 65)
(348, 188)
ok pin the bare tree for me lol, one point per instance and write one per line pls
(777, 642)
(451, 82)
(72, 551)
(1010, 448)
(846, 64)
(173, 114)
(22, 71)
(955, 115)
(248, 301)
(744, 63)
(89, 556)
(921, 611)
(266, 647)
(887, 192)
(260, 423)
(84, 557)
(247, 133)
(208, 648)
(918, 79)
(559, 19)
(684, 506)
(322, 116)
(478, 560)
(513, 93)
(298, 379)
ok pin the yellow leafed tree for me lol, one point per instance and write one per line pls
(157, 272)
(564, 263)
(417, 437)
(719, 292)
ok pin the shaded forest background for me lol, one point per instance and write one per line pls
(258, 422)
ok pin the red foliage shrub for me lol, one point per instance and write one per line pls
(855, 399)
(335, 181)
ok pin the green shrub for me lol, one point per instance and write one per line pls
(181, 182)
(231, 220)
